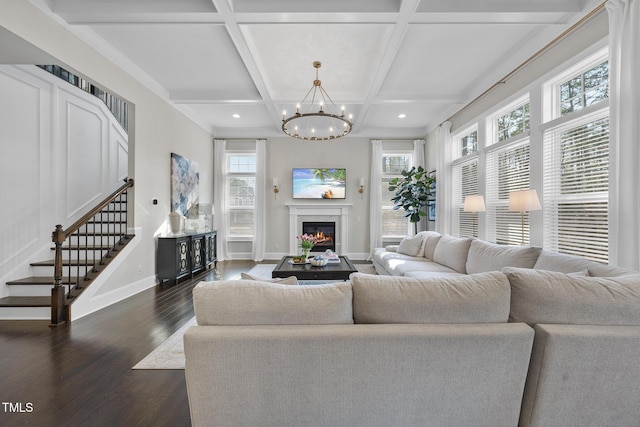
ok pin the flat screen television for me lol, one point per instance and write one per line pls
(309, 183)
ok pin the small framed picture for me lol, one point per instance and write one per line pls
(431, 210)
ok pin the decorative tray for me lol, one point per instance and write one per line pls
(291, 261)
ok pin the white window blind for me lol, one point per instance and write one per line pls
(576, 182)
(241, 184)
(395, 225)
(507, 170)
(465, 183)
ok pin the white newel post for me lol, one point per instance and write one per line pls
(339, 213)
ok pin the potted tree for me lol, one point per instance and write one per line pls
(413, 191)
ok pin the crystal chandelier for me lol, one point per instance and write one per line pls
(317, 118)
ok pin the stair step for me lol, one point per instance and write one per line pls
(25, 302)
(106, 222)
(97, 233)
(65, 262)
(84, 247)
(41, 280)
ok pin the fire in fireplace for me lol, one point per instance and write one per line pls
(325, 233)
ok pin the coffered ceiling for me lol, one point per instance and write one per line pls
(380, 58)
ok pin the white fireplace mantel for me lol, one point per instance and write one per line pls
(338, 211)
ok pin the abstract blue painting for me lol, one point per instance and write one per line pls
(185, 186)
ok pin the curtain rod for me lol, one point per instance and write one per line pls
(529, 60)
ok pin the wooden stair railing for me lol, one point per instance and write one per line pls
(93, 241)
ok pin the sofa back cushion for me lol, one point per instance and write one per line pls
(248, 302)
(539, 296)
(485, 256)
(478, 298)
(570, 264)
(431, 239)
(452, 252)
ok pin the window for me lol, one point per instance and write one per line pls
(241, 184)
(465, 183)
(507, 170)
(514, 122)
(576, 184)
(469, 143)
(394, 224)
(584, 89)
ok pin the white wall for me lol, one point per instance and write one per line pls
(157, 130)
(63, 152)
(284, 154)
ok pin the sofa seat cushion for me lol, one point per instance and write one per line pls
(550, 297)
(570, 264)
(422, 274)
(452, 252)
(484, 256)
(478, 298)
(248, 302)
(382, 256)
(400, 267)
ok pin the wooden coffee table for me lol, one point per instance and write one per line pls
(331, 271)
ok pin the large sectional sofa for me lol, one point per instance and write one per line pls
(514, 345)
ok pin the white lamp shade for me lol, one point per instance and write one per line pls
(474, 203)
(524, 200)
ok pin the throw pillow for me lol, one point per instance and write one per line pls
(539, 296)
(411, 245)
(291, 280)
(452, 252)
(477, 298)
(249, 302)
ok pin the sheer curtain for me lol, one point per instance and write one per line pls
(219, 196)
(624, 145)
(375, 197)
(443, 178)
(418, 152)
(260, 213)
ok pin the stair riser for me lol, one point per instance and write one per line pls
(48, 271)
(25, 313)
(73, 255)
(30, 290)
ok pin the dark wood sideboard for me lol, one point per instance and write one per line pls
(185, 255)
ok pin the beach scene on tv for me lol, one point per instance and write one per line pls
(319, 183)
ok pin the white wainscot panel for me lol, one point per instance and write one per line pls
(19, 175)
(85, 158)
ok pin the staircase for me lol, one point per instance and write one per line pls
(80, 253)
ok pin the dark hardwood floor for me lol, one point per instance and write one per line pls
(80, 374)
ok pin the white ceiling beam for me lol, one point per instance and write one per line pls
(397, 36)
(245, 54)
(119, 17)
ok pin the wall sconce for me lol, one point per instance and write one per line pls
(274, 182)
(361, 189)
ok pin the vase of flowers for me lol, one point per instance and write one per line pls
(306, 243)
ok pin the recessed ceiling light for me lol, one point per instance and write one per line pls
(236, 116)
(402, 116)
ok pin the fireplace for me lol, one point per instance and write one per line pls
(325, 233)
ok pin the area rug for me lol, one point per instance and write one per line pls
(170, 354)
